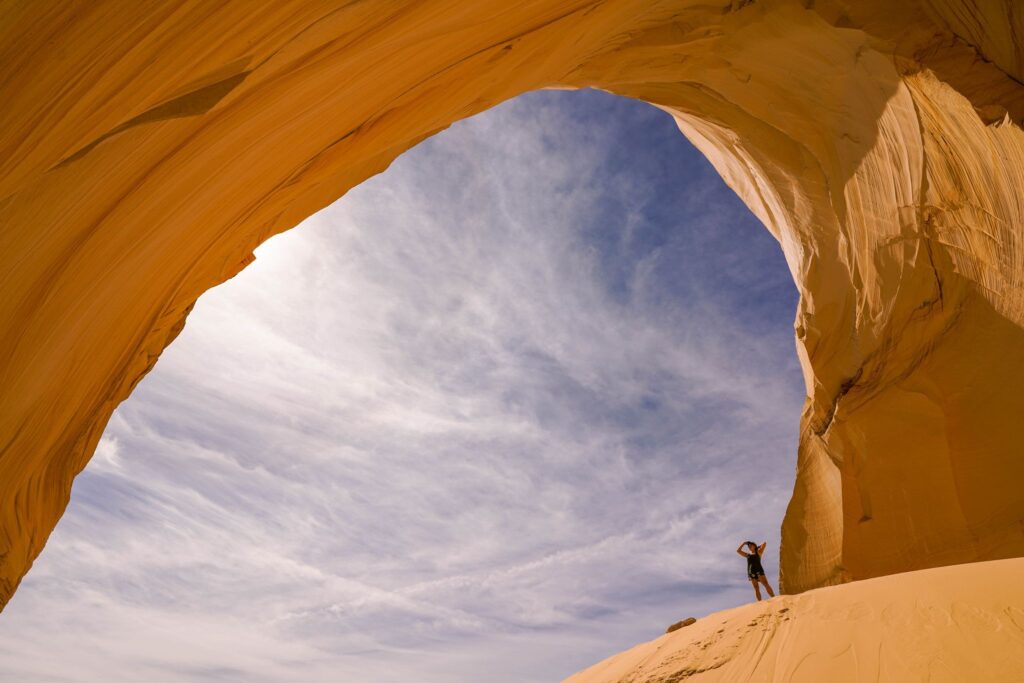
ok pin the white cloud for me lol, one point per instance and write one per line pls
(507, 408)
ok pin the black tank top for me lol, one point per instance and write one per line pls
(754, 564)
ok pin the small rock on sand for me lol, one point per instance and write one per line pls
(681, 624)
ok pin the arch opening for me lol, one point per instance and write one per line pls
(524, 392)
(882, 148)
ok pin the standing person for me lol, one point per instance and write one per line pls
(755, 572)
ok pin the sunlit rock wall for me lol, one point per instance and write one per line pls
(146, 149)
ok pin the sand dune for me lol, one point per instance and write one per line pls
(959, 623)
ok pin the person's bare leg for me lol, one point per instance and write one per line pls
(764, 580)
(757, 590)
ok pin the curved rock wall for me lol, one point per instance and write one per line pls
(146, 153)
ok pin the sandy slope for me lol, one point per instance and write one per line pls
(960, 623)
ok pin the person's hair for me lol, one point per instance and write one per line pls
(752, 544)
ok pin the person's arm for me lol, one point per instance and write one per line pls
(760, 548)
(740, 550)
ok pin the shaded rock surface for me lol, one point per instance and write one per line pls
(147, 149)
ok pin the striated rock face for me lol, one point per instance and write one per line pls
(146, 151)
(950, 624)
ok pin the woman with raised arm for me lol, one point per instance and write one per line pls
(755, 572)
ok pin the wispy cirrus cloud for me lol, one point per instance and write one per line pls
(498, 413)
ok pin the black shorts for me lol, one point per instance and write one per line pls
(754, 575)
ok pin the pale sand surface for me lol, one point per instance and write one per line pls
(959, 623)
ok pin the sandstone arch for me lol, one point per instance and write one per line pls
(147, 151)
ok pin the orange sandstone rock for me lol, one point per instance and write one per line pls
(146, 150)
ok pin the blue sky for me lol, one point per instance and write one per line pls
(500, 412)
